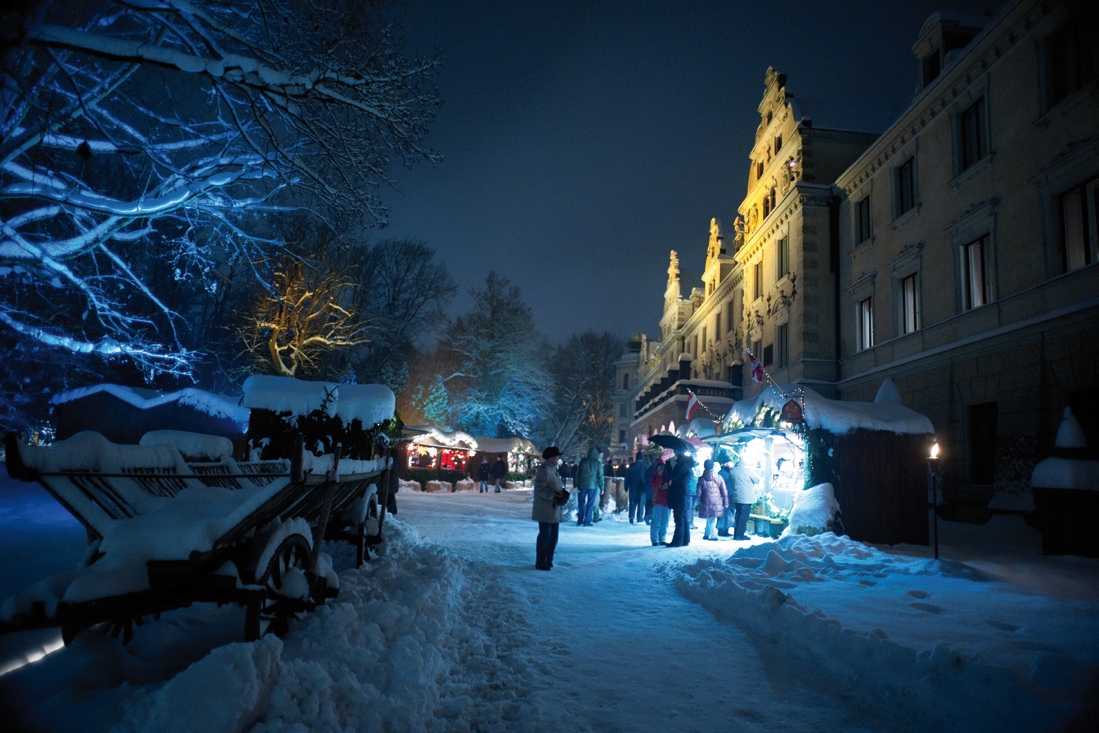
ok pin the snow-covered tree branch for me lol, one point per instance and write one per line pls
(173, 127)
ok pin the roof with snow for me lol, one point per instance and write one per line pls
(144, 399)
(369, 403)
(504, 445)
(836, 416)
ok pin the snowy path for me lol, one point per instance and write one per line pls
(625, 651)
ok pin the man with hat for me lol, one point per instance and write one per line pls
(549, 497)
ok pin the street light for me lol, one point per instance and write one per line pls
(934, 481)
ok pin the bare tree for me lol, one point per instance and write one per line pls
(583, 372)
(175, 126)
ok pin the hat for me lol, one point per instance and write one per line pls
(708, 463)
(551, 452)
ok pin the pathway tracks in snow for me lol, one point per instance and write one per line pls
(603, 642)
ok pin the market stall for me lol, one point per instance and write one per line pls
(518, 452)
(441, 450)
(873, 454)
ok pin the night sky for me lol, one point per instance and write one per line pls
(584, 140)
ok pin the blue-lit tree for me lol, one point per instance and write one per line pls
(499, 384)
(161, 133)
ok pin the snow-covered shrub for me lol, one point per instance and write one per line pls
(439, 486)
(814, 510)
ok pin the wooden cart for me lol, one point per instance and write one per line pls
(166, 532)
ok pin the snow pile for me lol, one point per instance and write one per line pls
(813, 510)
(191, 445)
(409, 485)
(465, 484)
(1058, 472)
(379, 658)
(869, 626)
(438, 486)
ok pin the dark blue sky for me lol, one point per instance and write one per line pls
(584, 140)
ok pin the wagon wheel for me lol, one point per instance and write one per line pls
(363, 540)
(285, 590)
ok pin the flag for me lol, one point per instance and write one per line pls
(757, 368)
(692, 406)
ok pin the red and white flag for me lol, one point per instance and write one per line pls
(692, 406)
(757, 368)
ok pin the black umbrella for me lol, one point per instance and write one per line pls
(673, 442)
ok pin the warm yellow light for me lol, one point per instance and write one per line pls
(934, 451)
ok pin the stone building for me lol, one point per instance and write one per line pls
(968, 240)
(955, 253)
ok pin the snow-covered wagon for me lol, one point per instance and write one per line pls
(177, 520)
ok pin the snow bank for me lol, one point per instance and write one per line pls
(379, 658)
(192, 445)
(869, 627)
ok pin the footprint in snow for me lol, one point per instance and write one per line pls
(919, 594)
(929, 607)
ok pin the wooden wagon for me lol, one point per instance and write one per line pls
(172, 522)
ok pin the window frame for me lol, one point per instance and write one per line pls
(863, 219)
(782, 257)
(864, 324)
(971, 280)
(904, 187)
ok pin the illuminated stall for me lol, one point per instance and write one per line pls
(874, 455)
(441, 451)
(519, 452)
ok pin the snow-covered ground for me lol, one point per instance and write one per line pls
(451, 629)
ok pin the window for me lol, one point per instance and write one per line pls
(626, 381)
(759, 171)
(621, 436)
(862, 220)
(757, 348)
(981, 433)
(768, 355)
(622, 410)
(778, 143)
(866, 323)
(904, 186)
(972, 138)
(1078, 226)
(910, 305)
(976, 288)
(1072, 55)
(782, 345)
(717, 325)
(930, 66)
(758, 281)
(783, 257)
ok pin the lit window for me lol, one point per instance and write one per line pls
(866, 323)
(976, 288)
(910, 304)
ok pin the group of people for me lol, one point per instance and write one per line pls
(722, 492)
(497, 472)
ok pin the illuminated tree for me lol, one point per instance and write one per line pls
(166, 131)
(499, 384)
(303, 318)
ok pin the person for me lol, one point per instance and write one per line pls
(727, 521)
(692, 493)
(635, 484)
(745, 493)
(589, 484)
(482, 475)
(547, 507)
(678, 497)
(649, 492)
(713, 499)
(499, 470)
(658, 528)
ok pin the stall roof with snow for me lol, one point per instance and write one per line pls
(124, 414)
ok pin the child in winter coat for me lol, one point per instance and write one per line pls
(713, 499)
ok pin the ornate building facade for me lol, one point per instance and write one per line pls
(955, 253)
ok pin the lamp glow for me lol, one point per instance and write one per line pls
(934, 452)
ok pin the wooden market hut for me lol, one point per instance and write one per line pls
(518, 452)
(873, 453)
(124, 414)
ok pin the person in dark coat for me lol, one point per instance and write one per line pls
(682, 480)
(547, 509)
(499, 470)
(482, 475)
(635, 484)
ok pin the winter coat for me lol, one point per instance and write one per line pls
(482, 471)
(713, 499)
(682, 481)
(658, 483)
(589, 474)
(745, 489)
(635, 478)
(546, 483)
(499, 469)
